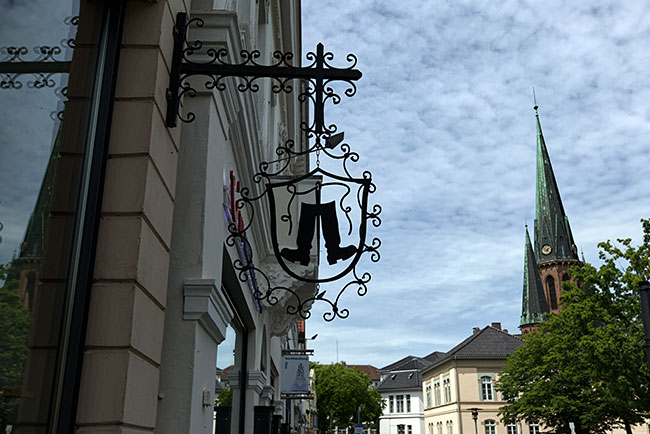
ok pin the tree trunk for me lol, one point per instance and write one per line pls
(628, 427)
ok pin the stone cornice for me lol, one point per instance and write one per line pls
(256, 381)
(203, 302)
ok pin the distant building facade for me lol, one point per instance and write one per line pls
(464, 379)
(401, 389)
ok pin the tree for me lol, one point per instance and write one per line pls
(586, 364)
(224, 399)
(340, 390)
(15, 326)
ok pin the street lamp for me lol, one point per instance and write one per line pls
(475, 417)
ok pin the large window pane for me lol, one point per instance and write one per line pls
(47, 74)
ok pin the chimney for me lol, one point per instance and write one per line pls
(475, 330)
(496, 325)
(505, 330)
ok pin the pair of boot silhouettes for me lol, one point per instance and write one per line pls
(309, 214)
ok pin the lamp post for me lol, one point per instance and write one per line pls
(475, 417)
(644, 291)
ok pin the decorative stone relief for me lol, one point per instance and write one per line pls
(280, 320)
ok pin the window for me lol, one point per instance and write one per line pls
(430, 428)
(550, 284)
(450, 427)
(48, 200)
(400, 429)
(533, 428)
(487, 393)
(409, 429)
(512, 428)
(390, 404)
(408, 403)
(399, 401)
(436, 390)
(447, 389)
(428, 397)
(439, 427)
(490, 427)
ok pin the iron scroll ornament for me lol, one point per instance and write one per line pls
(190, 58)
(246, 267)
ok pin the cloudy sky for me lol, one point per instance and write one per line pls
(443, 118)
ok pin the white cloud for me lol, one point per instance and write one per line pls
(443, 118)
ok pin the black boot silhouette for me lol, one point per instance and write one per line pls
(306, 226)
(331, 235)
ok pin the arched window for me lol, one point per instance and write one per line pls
(439, 427)
(450, 427)
(490, 427)
(550, 284)
(487, 393)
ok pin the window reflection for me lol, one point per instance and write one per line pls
(42, 159)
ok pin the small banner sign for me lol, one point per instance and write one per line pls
(295, 374)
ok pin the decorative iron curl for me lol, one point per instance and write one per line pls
(190, 46)
(9, 81)
(186, 88)
(373, 248)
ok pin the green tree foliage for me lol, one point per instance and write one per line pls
(225, 397)
(15, 325)
(586, 364)
(340, 390)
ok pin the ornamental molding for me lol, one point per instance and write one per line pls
(204, 302)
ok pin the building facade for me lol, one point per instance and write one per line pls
(122, 283)
(461, 384)
(401, 389)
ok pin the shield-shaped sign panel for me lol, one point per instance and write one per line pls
(315, 206)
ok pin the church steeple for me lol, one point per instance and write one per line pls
(534, 304)
(553, 237)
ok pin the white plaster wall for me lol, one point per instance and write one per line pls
(388, 421)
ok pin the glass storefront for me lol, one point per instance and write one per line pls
(52, 60)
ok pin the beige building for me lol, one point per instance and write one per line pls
(459, 389)
(463, 380)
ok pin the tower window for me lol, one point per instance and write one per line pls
(552, 296)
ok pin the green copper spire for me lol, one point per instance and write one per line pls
(553, 237)
(534, 305)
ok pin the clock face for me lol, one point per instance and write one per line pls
(546, 249)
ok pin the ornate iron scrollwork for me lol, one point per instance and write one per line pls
(45, 64)
(190, 59)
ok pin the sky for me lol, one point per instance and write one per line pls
(443, 119)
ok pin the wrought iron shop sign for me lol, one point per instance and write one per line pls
(305, 204)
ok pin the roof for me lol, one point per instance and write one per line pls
(401, 380)
(369, 370)
(406, 372)
(435, 356)
(394, 365)
(553, 237)
(533, 305)
(488, 343)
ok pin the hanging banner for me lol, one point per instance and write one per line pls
(295, 374)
